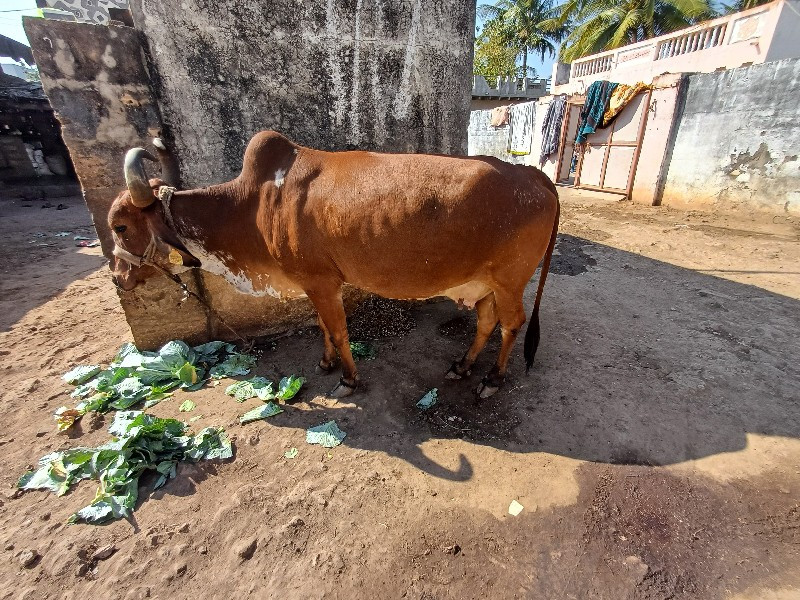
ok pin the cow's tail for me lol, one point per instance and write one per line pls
(532, 334)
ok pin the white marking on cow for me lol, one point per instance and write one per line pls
(279, 175)
(218, 264)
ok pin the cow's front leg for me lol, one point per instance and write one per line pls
(328, 302)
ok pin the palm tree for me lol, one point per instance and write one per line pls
(740, 5)
(608, 24)
(517, 23)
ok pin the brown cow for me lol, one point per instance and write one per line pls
(302, 222)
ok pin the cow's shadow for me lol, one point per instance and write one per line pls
(641, 362)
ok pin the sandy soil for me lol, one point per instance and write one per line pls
(654, 446)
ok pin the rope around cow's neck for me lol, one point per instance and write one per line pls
(165, 196)
(187, 292)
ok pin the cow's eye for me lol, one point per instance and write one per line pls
(120, 228)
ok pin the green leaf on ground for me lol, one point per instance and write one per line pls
(186, 406)
(250, 388)
(363, 350)
(270, 409)
(233, 366)
(289, 386)
(145, 378)
(428, 399)
(81, 374)
(327, 435)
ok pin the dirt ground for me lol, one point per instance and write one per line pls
(654, 445)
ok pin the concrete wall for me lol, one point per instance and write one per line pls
(391, 75)
(97, 83)
(489, 104)
(14, 161)
(485, 140)
(785, 42)
(738, 141)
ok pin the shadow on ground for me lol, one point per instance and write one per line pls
(641, 363)
(38, 256)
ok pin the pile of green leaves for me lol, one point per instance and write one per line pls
(140, 442)
(134, 377)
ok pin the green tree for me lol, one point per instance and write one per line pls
(517, 26)
(607, 24)
(493, 58)
(740, 5)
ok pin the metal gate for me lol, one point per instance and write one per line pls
(610, 155)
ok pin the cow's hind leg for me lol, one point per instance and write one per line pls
(328, 362)
(328, 302)
(511, 314)
(487, 321)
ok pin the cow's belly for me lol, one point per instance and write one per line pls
(467, 294)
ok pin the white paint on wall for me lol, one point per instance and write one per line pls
(334, 66)
(354, 134)
(402, 99)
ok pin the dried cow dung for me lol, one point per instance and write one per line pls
(378, 317)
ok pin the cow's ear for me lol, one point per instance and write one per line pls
(182, 258)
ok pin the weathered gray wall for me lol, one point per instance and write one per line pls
(97, 82)
(391, 75)
(485, 140)
(738, 140)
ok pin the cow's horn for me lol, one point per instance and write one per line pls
(169, 166)
(136, 179)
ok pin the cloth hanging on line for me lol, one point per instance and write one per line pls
(620, 98)
(597, 97)
(551, 128)
(499, 116)
(520, 135)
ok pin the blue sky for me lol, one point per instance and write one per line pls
(11, 22)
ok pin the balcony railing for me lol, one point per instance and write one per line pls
(691, 42)
(508, 87)
(756, 24)
(600, 63)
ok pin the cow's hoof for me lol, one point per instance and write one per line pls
(485, 390)
(456, 373)
(488, 387)
(325, 368)
(343, 389)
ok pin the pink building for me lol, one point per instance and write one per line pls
(661, 149)
(766, 33)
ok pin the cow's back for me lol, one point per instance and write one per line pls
(393, 222)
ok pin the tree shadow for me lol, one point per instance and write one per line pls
(641, 362)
